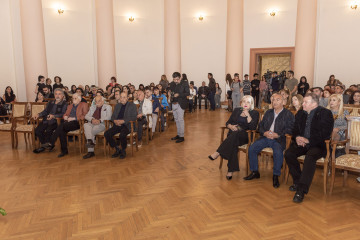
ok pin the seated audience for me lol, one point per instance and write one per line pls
(218, 96)
(74, 113)
(113, 82)
(332, 81)
(355, 98)
(124, 112)
(296, 103)
(145, 108)
(340, 125)
(3, 111)
(9, 97)
(163, 105)
(47, 93)
(80, 91)
(323, 102)
(48, 84)
(40, 97)
(57, 83)
(242, 119)
(141, 87)
(164, 82)
(53, 110)
(326, 95)
(203, 94)
(192, 97)
(312, 127)
(87, 91)
(286, 97)
(108, 91)
(339, 89)
(72, 90)
(155, 108)
(41, 84)
(96, 117)
(276, 122)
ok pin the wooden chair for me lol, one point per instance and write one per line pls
(18, 114)
(349, 161)
(131, 137)
(79, 134)
(29, 129)
(101, 135)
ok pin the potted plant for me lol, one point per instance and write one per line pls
(2, 212)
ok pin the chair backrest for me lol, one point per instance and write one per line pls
(354, 110)
(353, 133)
(19, 109)
(36, 108)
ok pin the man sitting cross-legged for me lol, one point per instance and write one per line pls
(96, 117)
(124, 112)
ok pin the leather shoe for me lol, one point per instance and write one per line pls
(116, 154)
(89, 155)
(181, 139)
(293, 188)
(254, 174)
(175, 138)
(123, 154)
(211, 158)
(276, 183)
(50, 147)
(299, 197)
(39, 150)
(228, 177)
(63, 154)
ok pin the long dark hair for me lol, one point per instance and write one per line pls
(351, 100)
(9, 97)
(184, 76)
(228, 79)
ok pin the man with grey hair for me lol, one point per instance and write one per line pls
(54, 109)
(96, 117)
(313, 125)
(74, 113)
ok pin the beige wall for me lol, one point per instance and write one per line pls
(70, 40)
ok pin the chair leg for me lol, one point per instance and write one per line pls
(12, 139)
(247, 163)
(345, 178)
(333, 171)
(325, 177)
(16, 139)
(26, 142)
(80, 143)
(104, 146)
(33, 140)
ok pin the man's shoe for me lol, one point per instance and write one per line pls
(90, 143)
(50, 147)
(181, 139)
(123, 154)
(276, 183)
(39, 150)
(254, 174)
(293, 188)
(89, 155)
(116, 154)
(299, 197)
(175, 138)
(63, 154)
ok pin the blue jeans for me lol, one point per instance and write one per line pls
(258, 146)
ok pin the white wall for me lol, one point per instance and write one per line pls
(263, 31)
(203, 44)
(69, 41)
(7, 63)
(338, 43)
(139, 45)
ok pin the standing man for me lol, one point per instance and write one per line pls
(313, 125)
(255, 92)
(212, 91)
(179, 101)
(246, 85)
(291, 83)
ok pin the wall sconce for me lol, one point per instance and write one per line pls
(273, 12)
(131, 19)
(201, 17)
(354, 6)
(60, 11)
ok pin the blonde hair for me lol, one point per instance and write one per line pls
(251, 99)
(338, 97)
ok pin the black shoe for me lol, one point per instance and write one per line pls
(254, 174)
(181, 139)
(276, 183)
(229, 177)
(299, 197)
(123, 154)
(90, 143)
(211, 158)
(116, 154)
(293, 188)
(175, 138)
(63, 154)
(89, 155)
(50, 147)
(39, 150)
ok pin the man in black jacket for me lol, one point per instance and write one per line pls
(203, 93)
(275, 124)
(54, 109)
(212, 91)
(179, 102)
(313, 125)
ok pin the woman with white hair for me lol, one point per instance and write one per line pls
(74, 112)
(242, 119)
(336, 106)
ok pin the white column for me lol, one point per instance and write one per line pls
(172, 41)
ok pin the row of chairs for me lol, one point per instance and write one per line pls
(348, 162)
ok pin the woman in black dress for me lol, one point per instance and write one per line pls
(242, 119)
(303, 86)
(57, 83)
(41, 84)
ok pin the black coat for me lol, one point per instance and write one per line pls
(322, 125)
(59, 111)
(234, 119)
(183, 90)
(203, 90)
(284, 124)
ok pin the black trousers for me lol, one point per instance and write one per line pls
(303, 178)
(229, 148)
(191, 105)
(255, 95)
(206, 101)
(61, 132)
(141, 123)
(44, 131)
(109, 136)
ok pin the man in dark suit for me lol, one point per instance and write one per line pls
(124, 112)
(179, 91)
(212, 91)
(276, 123)
(203, 93)
(313, 125)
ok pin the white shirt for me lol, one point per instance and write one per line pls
(273, 123)
(192, 93)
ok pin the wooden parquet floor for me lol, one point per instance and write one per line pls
(166, 191)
